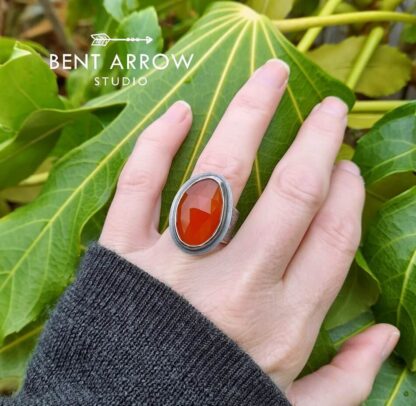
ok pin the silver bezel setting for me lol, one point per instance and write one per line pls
(226, 215)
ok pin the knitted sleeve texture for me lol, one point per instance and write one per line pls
(118, 336)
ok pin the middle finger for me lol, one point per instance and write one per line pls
(232, 148)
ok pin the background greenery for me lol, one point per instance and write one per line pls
(63, 142)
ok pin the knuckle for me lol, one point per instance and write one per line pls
(152, 142)
(340, 232)
(233, 169)
(325, 125)
(135, 181)
(300, 186)
(250, 101)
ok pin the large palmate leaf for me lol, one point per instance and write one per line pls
(27, 85)
(390, 251)
(39, 244)
(390, 146)
(274, 9)
(359, 292)
(34, 141)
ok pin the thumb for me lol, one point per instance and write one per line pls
(348, 379)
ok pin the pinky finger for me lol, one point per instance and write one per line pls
(349, 378)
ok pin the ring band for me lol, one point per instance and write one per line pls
(202, 215)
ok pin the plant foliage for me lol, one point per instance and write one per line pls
(62, 148)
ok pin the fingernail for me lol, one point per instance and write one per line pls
(349, 166)
(178, 112)
(390, 343)
(273, 73)
(334, 106)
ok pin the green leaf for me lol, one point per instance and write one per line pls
(384, 190)
(274, 9)
(395, 385)
(409, 34)
(200, 5)
(346, 152)
(120, 9)
(340, 334)
(227, 44)
(82, 85)
(77, 132)
(21, 156)
(14, 355)
(390, 147)
(387, 72)
(390, 251)
(27, 85)
(359, 292)
(304, 7)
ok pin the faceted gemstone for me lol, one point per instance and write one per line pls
(199, 212)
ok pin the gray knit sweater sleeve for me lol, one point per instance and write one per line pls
(120, 337)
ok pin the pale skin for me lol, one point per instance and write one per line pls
(270, 288)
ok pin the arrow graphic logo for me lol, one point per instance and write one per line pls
(102, 39)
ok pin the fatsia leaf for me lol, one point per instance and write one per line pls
(384, 190)
(200, 5)
(81, 83)
(387, 72)
(409, 34)
(120, 9)
(37, 137)
(390, 146)
(304, 7)
(274, 9)
(359, 292)
(14, 356)
(227, 45)
(77, 132)
(341, 334)
(395, 385)
(390, 251)
(27, 85)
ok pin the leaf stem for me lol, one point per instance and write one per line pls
(367, 51)
(310, 36)
(377, 106)
(300, 24)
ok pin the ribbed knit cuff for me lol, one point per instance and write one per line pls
(190, 347)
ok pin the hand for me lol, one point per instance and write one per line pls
(270, 288)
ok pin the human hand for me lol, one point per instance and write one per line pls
(270, 288)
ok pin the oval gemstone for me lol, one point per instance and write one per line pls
(199, 212)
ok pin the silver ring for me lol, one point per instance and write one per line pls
(202, 215)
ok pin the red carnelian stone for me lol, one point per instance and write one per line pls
(199, 212)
